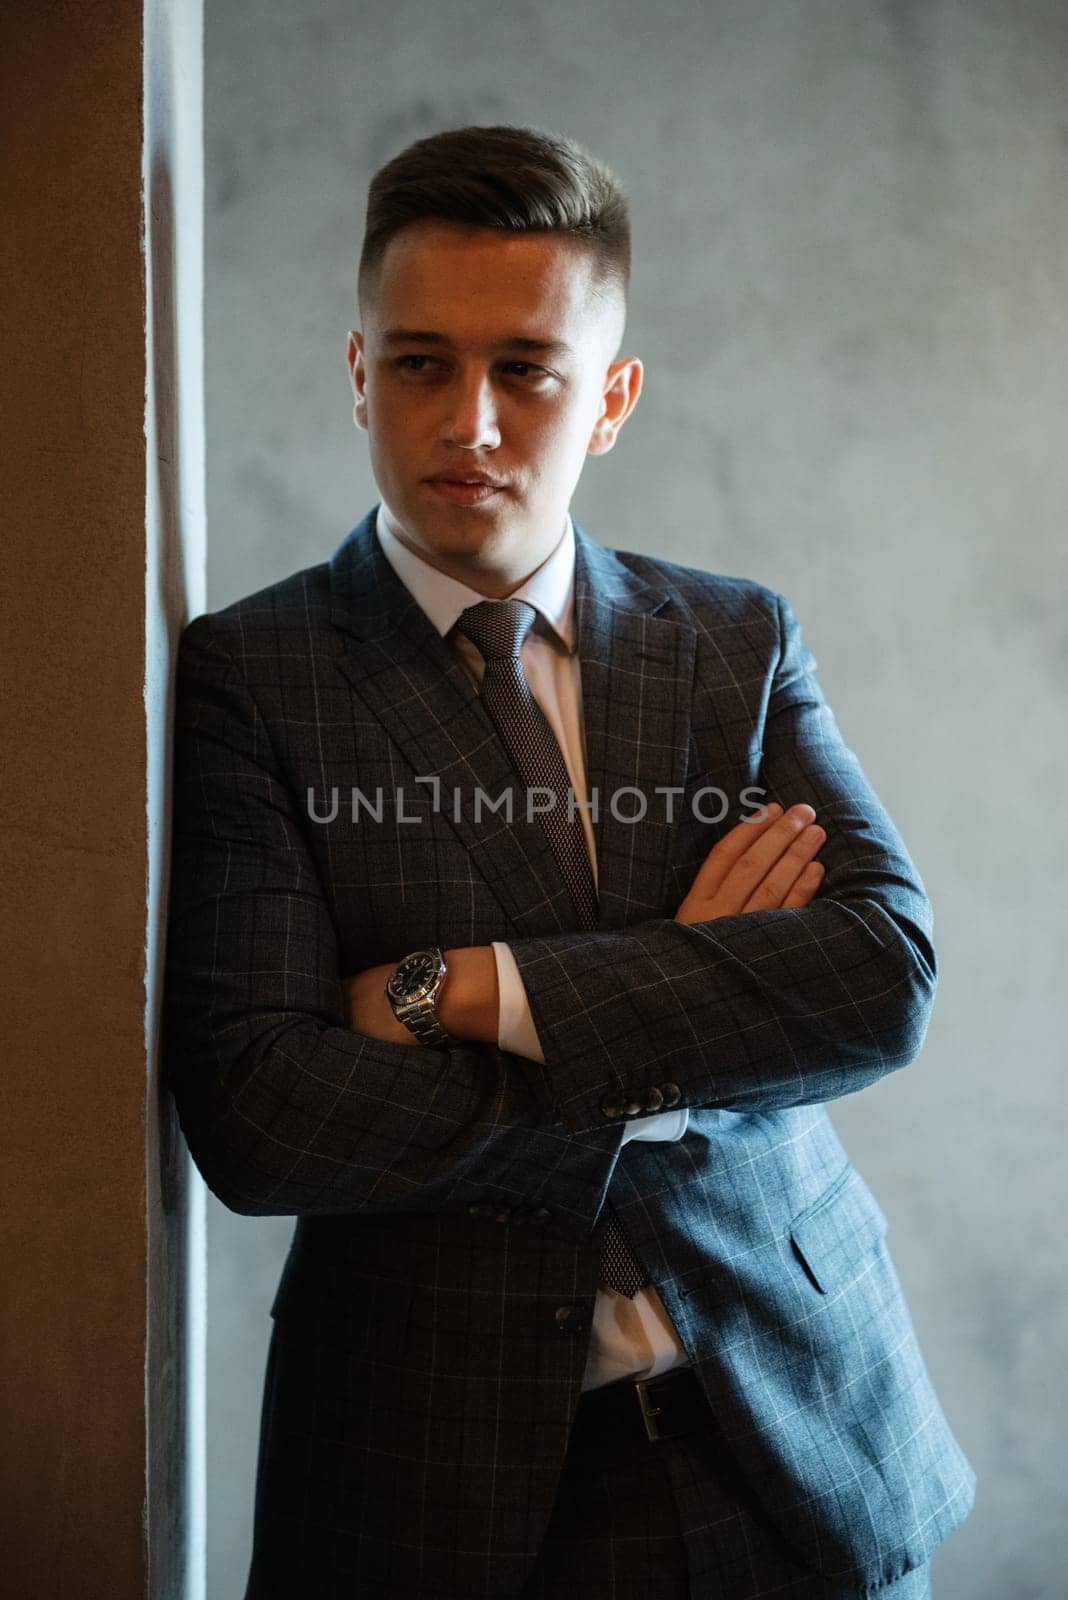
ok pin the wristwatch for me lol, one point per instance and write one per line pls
(412, 991)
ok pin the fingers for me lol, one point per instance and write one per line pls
(758, 866)
(787, 838)
(805, 887)
(781, 878)
(728, 850)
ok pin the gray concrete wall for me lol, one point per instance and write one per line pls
(851, 243)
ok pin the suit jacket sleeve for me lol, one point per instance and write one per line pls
(766, 1009)
(286, 1109)
(516, 1032)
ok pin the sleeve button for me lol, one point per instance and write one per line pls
(655, 1101)
(672, 1093)
(633, 1108)
(611, 1110)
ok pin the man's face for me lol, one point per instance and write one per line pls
(483, 376)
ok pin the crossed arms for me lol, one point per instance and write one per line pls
(761, 865)
(288, 1110)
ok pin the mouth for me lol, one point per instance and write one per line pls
(468, 490)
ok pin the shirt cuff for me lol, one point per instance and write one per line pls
(666, 1125)
(515, 1025)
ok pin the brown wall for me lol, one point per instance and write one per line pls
(72, 824)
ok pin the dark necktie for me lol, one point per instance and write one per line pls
(498, 628)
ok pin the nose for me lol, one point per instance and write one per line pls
(471, 423)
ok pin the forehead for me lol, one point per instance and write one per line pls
(469, 283)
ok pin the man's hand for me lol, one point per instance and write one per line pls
(758, 866)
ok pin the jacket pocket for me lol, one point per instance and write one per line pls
(366, 1315)
(833, 1238)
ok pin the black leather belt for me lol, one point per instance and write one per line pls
(642, 1408)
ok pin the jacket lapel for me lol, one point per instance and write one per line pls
(637, 678)
(637, 690)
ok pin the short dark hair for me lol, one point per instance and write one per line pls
(521, 180)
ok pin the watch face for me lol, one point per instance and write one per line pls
(415, 976)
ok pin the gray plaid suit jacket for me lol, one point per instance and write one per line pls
(432, 1320)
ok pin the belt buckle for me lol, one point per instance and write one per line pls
(648, 1410)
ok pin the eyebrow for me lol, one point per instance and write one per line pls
(551, 347)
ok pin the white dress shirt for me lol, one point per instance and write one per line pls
(629, 1338)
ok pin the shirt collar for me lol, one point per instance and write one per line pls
(550, 590)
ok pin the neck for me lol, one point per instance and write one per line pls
(482, 570)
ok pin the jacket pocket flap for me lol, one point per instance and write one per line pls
(367, 1314)
(835, 1235)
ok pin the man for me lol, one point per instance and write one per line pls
(500, 957)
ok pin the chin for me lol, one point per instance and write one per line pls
(459, 528)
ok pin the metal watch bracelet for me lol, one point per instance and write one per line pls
(419, 1019)
(417, 1011)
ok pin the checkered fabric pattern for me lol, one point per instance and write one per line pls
(498, 628)
(672, 1521)
(432, 1321)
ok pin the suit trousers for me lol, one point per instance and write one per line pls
(672, 1519)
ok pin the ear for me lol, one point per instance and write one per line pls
(622, 386)
(357, 378)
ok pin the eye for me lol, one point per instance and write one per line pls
(528, 369)
(403, 362)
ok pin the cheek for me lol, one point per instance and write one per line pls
(562, 436)
(382, 404)
(393, 425)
